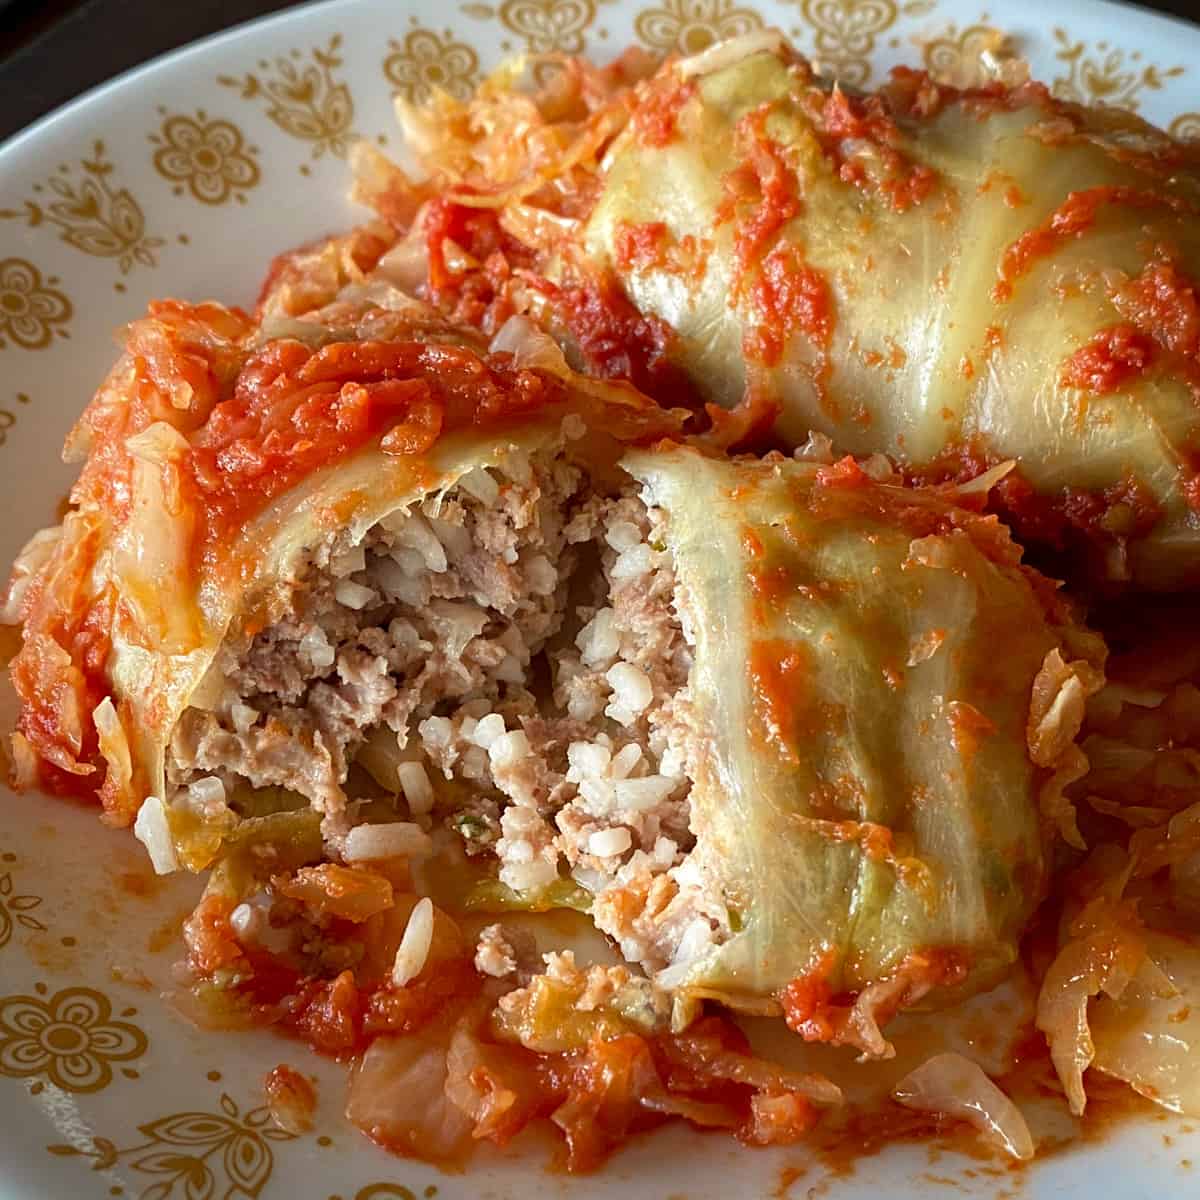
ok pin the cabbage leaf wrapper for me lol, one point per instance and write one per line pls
(876, 682)
(954, 278)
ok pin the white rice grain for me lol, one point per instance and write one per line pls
(641, 795)
(637, 560)
(608, 842)
(632, 692)
(416, 534)
(396, 839)
(625, 761)
(243, 716)
(587, 760)
(391, 576)
(623, 535)
(353, 595)
(598, 640)
(510, 670)
(414, 946)
(487, 730)
(346, 563)
(418, 791)
(481, 485)
(315, 645)
(206, 797)
(509, 749)
(541, 575)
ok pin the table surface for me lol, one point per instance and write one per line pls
(53, 50)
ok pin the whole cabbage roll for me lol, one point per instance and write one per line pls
(951, 277)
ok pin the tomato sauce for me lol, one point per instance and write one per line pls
(654, 120)
(779, 676)
(1071, 520)
(844, 123)
(788, 296)
(1071, 219)
(617, 341)
(640, 246)
(761, 193)
(806, 1000)
(649, 245)
(294, 410)
(1108, 360)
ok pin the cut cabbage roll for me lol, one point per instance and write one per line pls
(953, 278)
(866, 768)
(278, 522)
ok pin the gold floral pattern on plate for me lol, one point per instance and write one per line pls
(1186, 126)
(1104, 74)
(953, 57)
(545, 26)
(92, 213)
(15, 907)
(209, 158)
(690, 26)
(304, 98)
(193, 1155)
(426, 62)
(71, 1038)
(844, 33)
(32, 308)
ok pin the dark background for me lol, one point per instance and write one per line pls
(53, 50)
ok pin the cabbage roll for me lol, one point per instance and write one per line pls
(871, 780)
(953, 278)
(265, 504)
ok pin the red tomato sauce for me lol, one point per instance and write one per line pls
(779, 680)
(1108, 360)
(649, 246)
(788, 296)
(640, 246)
(846, 491)
(1071, 219)
(1072, 520)
(294, 410)
(844, 122)
(472, 290)
(761, 192)
(654, 120)
(619, 342)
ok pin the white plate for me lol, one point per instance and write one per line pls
(182, 179)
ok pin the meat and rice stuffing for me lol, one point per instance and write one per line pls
(516, 634)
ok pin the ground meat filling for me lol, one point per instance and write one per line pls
(447, 601)
(509, 660)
